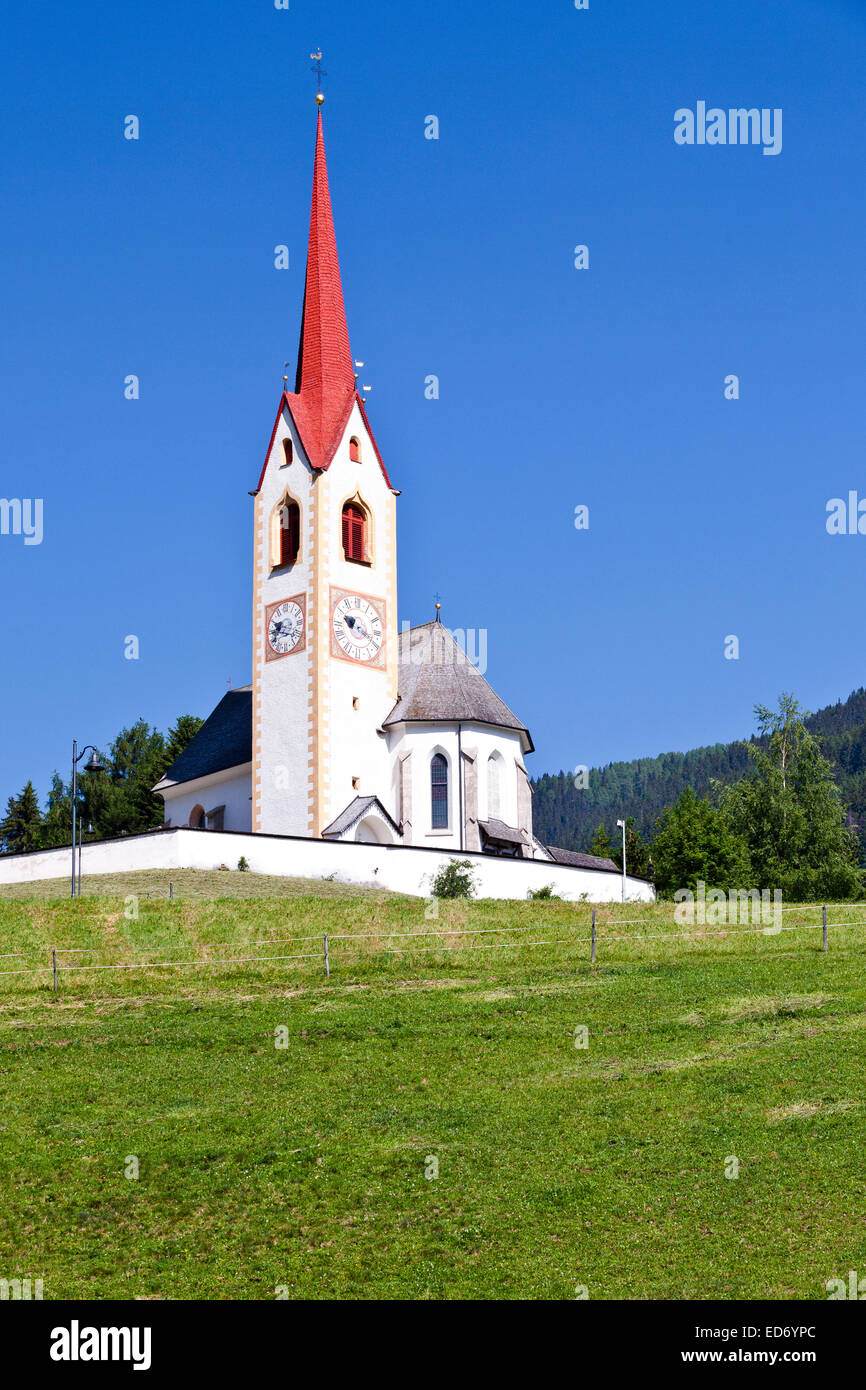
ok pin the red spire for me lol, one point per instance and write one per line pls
(325, 387)
(325, 384)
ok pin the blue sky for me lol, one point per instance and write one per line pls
(558, 387)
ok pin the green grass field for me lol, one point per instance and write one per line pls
(309, 1166)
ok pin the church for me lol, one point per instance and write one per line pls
(350, 729)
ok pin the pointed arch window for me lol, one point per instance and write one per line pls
(439, 792)
(290, 532)
(354, 532)
(493, 787)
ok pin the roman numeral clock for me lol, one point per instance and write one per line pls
(285, 627)
(358, 627)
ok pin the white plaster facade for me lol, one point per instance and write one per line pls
(394, 867)
(315, 714)
(458, 743)
(229, 789)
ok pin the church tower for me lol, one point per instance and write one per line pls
(325, 574)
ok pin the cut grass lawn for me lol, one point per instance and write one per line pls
(304, 1166)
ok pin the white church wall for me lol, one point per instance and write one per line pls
(283, 687)
(230, 788)
(387, 866)
(426, 739)
(355, 750)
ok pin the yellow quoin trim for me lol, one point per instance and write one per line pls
(258, 647)
(393, 663)
(318, 628)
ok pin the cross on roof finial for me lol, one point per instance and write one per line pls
(436, 598)
(320, 73)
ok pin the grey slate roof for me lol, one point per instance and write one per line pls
(578, 860)
(437, 682)
(497, 830)
(355, 810)
(225, 739)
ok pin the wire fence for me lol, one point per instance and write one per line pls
(349, 945)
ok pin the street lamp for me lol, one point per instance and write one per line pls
(94, 764)
(622, 823)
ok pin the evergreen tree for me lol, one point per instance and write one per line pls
(183, 732)
(696, 841)
(600, 843)
(57, 824)
(122, 799)
(650, 786)
(21, 827)
(116, 801)
(790, 811)
(637, 853)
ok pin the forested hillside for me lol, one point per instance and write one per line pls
(644, 788)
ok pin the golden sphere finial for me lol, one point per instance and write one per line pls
(319, 98)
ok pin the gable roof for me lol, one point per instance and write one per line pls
(496, 829)
(354, 812)
(224, 740)
(289, 402)
(438, 683)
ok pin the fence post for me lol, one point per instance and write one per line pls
(170, 890)
(54, 966)
(824, 915)
(592, 957)
(327, 961)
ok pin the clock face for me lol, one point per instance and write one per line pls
(285, 628)
(358, 627)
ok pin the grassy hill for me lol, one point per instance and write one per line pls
(309, 1167)
(646, 787)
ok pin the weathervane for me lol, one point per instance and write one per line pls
(286, 376)
(320, 73)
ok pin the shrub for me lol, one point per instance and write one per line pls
(455, 879)
(243, 865)
(543, 894)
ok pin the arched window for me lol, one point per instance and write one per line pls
(288, 451)
(439, 791)
(493, 786)
(355, 449)
(354, 532)
(290, 532)
(196, 818)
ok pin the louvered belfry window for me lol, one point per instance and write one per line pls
(354, 532)
(439, 791)
(290, 532)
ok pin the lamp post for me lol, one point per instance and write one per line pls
(93, 765)
(622, 824)
(81, 833)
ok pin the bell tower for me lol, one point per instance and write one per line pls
(324, 574)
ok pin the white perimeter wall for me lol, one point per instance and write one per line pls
(388, 866)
